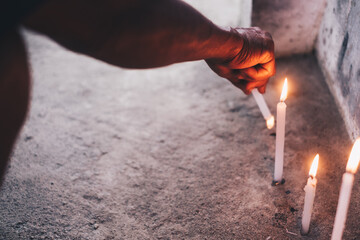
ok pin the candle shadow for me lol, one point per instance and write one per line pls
(276, 183)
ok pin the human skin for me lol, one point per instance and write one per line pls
(146, 34)
(14, 92)
(131, 34)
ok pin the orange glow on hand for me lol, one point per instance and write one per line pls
(284, 91)
(314, 166)
(354, 158)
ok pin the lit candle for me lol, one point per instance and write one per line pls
(309, 189)
(280, 134)
(345, 191)
(269, 118)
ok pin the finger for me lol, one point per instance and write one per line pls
(247, 86)
(241, 74)
(262, 89)
(270, 67)
(251, 58)
(241, 83)
(257, 73)
(251, 85)
(220, 70)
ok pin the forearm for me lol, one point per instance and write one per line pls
(134, 34)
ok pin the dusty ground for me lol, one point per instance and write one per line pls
(170, 153)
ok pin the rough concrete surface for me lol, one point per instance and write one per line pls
(169, 153)
(227, 13)
(338, 52)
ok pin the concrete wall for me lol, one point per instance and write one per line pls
(294, 24)
(332, 27)
(226, 12)
(338, 52)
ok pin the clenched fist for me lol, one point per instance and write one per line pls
(252, 65)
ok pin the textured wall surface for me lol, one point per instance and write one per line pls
(226, 12)
(338, 50)
(294, 24)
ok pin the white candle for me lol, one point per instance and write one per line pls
(269, 118)
(309, 189)
(345, 192)
(280, 135)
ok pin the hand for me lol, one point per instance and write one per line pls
(253, 65)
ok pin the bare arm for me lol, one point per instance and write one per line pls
(145, 34)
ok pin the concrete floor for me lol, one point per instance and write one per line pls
(169, 153)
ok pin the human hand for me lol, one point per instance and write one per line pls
(253, 65)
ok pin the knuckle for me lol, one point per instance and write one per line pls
(268, 35)
(270, 43)
(271, 72)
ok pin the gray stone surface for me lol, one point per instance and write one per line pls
(338, 52)
(225, 13)
(294, 24)
(169, 153)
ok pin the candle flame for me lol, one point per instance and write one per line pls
(314, 166)
(284, 91)
(354, 158)
(270, 122)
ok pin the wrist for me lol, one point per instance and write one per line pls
(225, 45)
